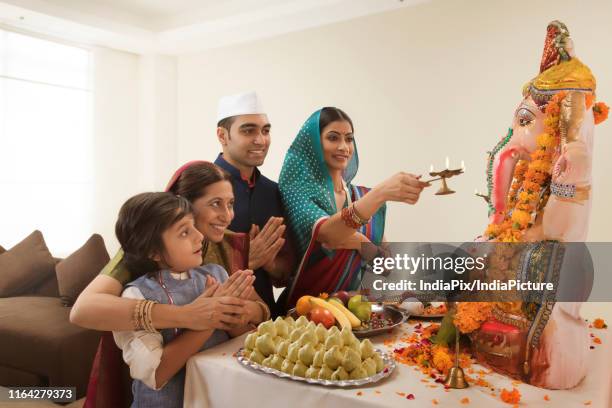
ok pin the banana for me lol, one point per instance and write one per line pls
(338, 315)
(355, 322)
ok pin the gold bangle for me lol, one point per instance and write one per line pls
(358, 218)
(148, 317)
(135, 315)
(141, 308)
(265, 309)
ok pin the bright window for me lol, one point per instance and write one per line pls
(46, 164)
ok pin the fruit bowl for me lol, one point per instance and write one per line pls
(388, 316)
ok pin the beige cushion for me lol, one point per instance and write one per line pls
(25, 265)
(38, 338)
(75, 272)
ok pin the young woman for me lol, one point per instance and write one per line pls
(330, 217)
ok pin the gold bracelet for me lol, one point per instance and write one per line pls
(135, 314)
(148, 317)
(141, 308)
(265, 309)
(357, 217)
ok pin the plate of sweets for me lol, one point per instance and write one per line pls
(354, 312)
(300, 350)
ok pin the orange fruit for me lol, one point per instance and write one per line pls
(303, 306)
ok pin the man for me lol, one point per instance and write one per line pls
(243, 130)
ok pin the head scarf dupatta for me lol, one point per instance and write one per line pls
(308, 197)
(233, 252)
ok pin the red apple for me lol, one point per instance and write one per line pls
(342, 295)
(320, 315)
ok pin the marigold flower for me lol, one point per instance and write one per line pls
(470, 315)
(511, 397)
(599, 324)
(522, 218)
(600, 112)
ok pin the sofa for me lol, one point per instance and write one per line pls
(39, 345)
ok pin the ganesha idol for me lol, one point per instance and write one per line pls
(539, 184)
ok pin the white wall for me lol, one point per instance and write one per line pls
(421, 83)
(134, 131)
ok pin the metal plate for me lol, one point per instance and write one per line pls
(389, 366)
(397, 317)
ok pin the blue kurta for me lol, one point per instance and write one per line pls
(255, 205)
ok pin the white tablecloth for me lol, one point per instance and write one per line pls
(215, 378)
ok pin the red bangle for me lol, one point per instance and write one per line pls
(348, 218)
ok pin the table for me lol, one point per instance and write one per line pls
(216, 379)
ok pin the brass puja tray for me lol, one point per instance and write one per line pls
(389, 366)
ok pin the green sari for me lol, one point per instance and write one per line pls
(308, 197)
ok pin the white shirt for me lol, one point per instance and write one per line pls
(142, 351)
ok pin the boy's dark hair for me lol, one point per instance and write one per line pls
(141, 222)
(194, 180)
(331, 114)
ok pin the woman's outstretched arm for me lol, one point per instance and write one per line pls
(402, 187)
(99, 307)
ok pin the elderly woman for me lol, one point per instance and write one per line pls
(330, 217)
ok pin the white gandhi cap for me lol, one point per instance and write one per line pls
(246, 103)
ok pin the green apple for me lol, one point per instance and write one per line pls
(363, 311)
(353, 302)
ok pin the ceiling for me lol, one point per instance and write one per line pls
(176, 27)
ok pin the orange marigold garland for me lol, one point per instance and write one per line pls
(470, 315)
(530, 178)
